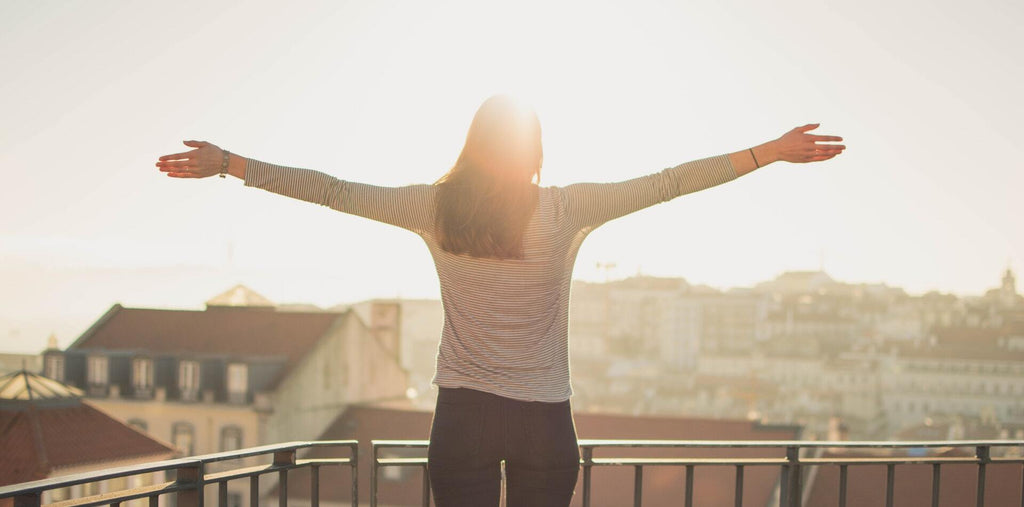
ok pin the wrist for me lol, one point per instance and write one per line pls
(766, 153)
(236, 165)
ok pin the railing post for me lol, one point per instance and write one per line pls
(588, 462)
(29, 500)
(426, 487)
(190, 475)
(283, 458)
(790, 482)
(983, 453)
(890, 484)
(689, 486)
(222, 494)
(254, 491)
(314, 486)
(638, 485)
(738, 496)
(355, 474)
(842, 485)
(373, 476)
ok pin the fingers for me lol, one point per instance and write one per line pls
(824, 138)
(808, 127)
(196, 144)
(185, 155)
(173, 164)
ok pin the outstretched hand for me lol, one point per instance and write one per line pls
(205, 160)
(798, 146)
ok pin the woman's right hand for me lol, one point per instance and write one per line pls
(204, 161)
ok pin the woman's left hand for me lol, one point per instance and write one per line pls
(204, 161)
(799, 146)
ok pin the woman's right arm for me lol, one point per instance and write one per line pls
(409, 207)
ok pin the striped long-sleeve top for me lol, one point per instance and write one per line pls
(506, 322)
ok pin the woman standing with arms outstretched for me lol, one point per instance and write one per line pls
(504, 249)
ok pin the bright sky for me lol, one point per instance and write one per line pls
(926, 93)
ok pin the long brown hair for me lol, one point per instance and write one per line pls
(485, 201)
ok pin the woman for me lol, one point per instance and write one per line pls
(504, 249)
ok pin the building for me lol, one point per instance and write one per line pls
(240, 373)
(413, 328)
(47, 430)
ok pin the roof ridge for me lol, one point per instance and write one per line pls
(100, 322)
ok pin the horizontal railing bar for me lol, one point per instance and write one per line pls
(173, 464)
(87, 477)
(686, 461)
(124, 495)
(268, 449)
(399, 443)
(171, 487)
(324, 462)
(401, 461)
(747, 444)
(241, 473)
(893, 460)
(740, 461)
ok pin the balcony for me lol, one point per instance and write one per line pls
(800, 473)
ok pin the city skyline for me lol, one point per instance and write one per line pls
(31, 337)
(925, 198)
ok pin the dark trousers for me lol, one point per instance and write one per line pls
(474, 431)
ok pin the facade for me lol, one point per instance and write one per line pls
(240, 373)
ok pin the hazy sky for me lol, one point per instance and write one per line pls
(926, 93)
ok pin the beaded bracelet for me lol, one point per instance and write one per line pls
(224, 163)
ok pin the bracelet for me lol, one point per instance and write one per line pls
(224, 163)
(755, 157)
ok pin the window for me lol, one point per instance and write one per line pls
(183, 437)
(238, 382)
(188, 380)
(54, 367)
(230, 438)
(97, 374)
(142, 376)
(138, 424)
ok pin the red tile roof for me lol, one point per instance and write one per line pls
(35, 441)
(216, 331)
(714, 486)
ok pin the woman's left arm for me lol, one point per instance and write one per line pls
(591, 204)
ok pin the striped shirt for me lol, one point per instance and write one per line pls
(506, 322)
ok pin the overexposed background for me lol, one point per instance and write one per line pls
(927, 95)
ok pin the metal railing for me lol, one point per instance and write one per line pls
(793, 458)
(787, 455)
(191, 478)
